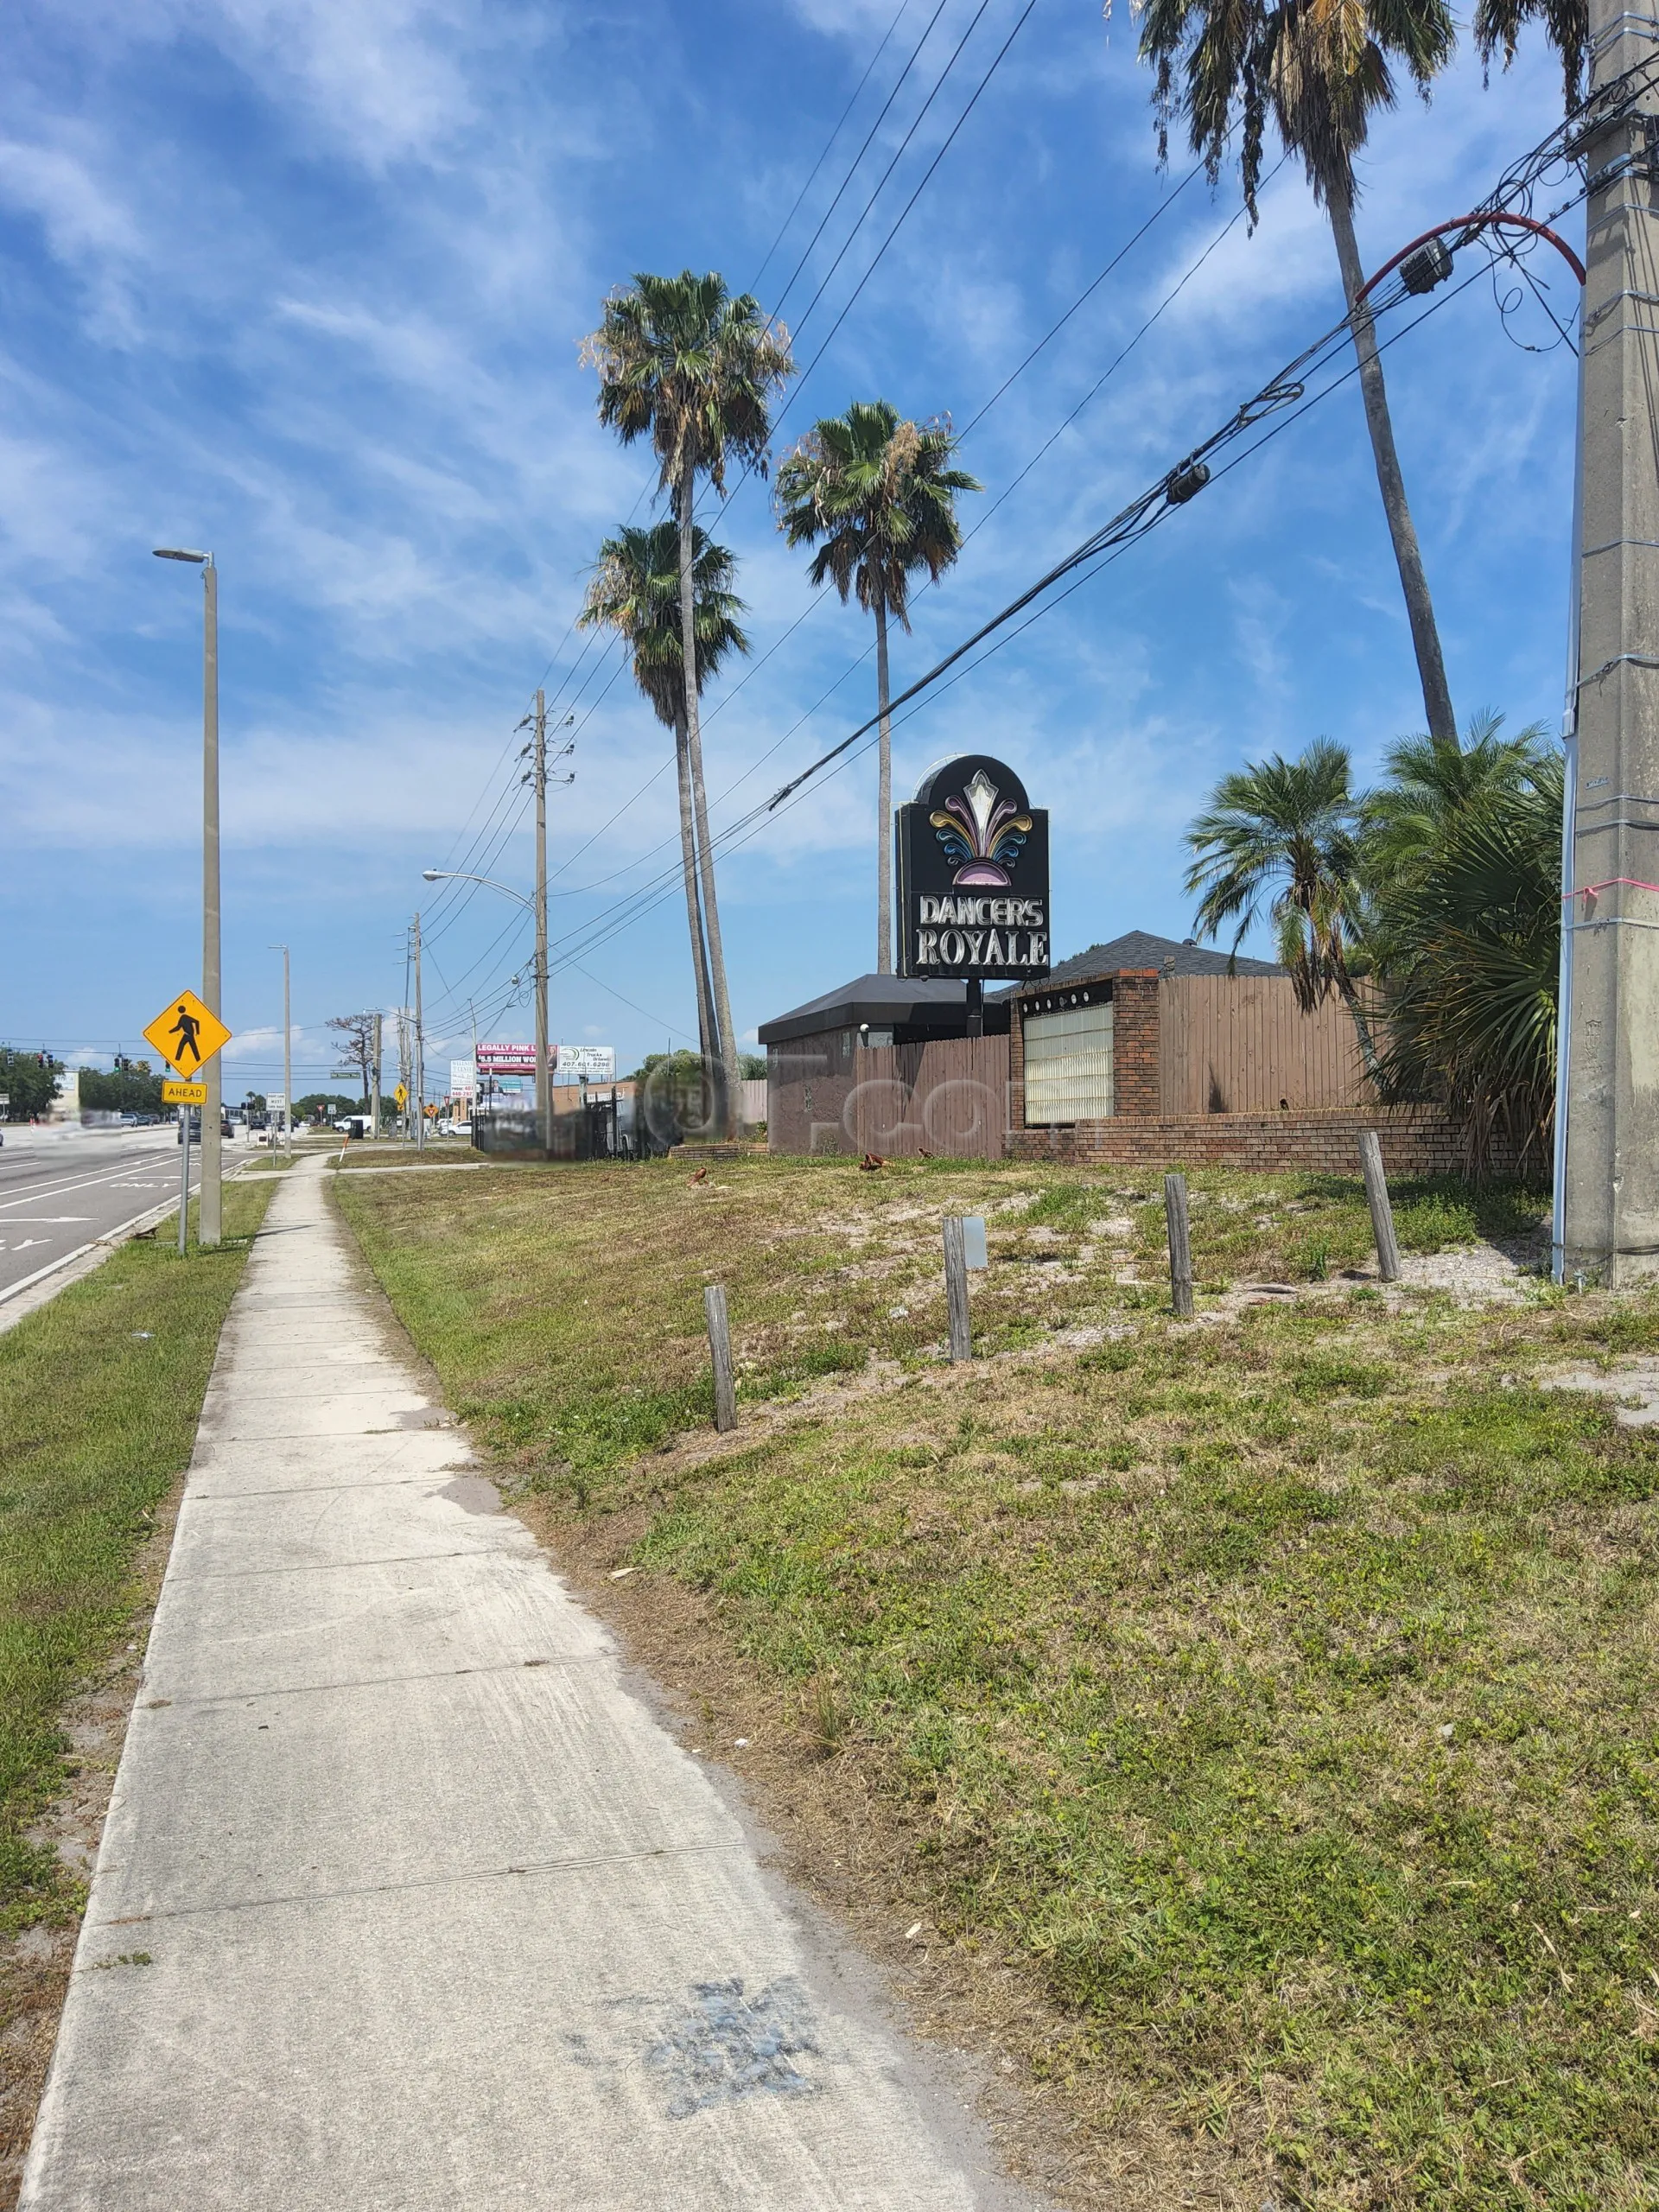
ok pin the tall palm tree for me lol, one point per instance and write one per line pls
(635, 590)
(1284, 832)
(1498, 25)
(881, 494)
(1322, 68)
(681, 362)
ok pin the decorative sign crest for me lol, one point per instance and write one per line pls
(973, 874)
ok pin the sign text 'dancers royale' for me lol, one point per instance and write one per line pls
(973, 874)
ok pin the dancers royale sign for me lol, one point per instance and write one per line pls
(973, 874)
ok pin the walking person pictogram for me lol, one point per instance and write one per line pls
(185, 1028)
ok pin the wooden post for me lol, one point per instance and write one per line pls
(956, 1288)
(720, 1346)
(1377, 1191)
(1180, 1246)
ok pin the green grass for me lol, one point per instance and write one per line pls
(99, 1392)
(1278, 1691)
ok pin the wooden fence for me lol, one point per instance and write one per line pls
(1241, 1045)
(949, 1098)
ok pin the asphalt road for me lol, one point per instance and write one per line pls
(62, 1189)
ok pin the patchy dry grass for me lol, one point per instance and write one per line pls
(1276, 1690)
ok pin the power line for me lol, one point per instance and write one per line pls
(869, 67)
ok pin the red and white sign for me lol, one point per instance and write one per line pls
(509, 1059)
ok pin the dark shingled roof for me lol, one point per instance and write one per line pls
(909, 1001)
(1140, 949)
(902, 1001)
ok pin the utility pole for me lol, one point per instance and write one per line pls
(1610, 1218)
(543, 1070)
(374, 1087)
(420, 1050)
(405, 1068)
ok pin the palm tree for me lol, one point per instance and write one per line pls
(635, 590)
(1285, 832)
(881, 494)
(1322, 68)
(684, 363)
(1567, 26)
(1429, 782)
(1471, 938)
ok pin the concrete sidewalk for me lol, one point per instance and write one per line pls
(468, 1928)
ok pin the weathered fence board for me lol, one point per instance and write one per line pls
(949, 1098)
(1241, 1045)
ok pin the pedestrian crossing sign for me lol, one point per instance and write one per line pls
(401, 1094)
(185, 1034)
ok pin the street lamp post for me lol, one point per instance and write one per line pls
(210, 1216)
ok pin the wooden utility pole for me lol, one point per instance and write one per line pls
(374, 1089)
(1609, 1203)
(543, 1070)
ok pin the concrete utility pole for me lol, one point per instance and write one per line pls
(1610, 1218)
(543, 1070)
(374, 1087)
(419, 1051)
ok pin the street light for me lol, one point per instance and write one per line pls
(537, 910)
(209, 1218)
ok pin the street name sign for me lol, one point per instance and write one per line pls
(185, 1034)
(184, 1094)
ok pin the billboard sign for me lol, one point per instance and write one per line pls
(507, 1059)
(973, 874)
(588, 1063)
(463, 1079)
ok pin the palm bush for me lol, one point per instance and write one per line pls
(1443, 885)
(1469, 940)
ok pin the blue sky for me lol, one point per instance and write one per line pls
(304, 281)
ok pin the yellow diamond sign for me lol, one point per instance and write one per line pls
(401, 1094)
(185, 1034)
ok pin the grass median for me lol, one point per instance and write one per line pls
(99, 1394)
(1272, 1693)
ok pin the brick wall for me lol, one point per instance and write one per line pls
(1416, 1141)
(1136, 1076)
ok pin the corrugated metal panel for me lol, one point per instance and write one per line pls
(1241, 1046)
